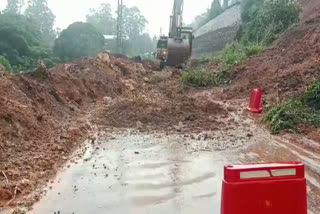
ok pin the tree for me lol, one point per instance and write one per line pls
(215, 9)
(200, 20)
(142, 44)
(78, 40)
(133, 26)
(21, 43)
(41, 15)
(102, 19)
(133, 22)
(14, 6)
(250, 8)
(17, 36)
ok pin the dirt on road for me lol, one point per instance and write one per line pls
(45, 113)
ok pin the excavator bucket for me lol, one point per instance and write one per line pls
(178, 51)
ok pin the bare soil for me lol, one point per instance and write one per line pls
(44, 115)
(286, 67)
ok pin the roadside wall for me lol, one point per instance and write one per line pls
(213, 36)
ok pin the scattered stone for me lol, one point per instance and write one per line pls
(104, 58)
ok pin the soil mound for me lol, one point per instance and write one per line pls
(44, 114)
(288, 66)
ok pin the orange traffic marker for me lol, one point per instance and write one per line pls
(255, 101)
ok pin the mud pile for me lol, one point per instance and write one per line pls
(288, 66)
(44, 114)
(155, 100)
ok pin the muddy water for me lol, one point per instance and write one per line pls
(142, 174)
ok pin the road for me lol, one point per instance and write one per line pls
(140, 174)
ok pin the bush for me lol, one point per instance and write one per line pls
(5, 63)
(231, 55)
(202, 78)
(253, 49)
(236, 53)
(21, 43)
(312, 95)
(265, 20)
(78, 40)
(291, 114)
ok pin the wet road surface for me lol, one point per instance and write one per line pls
(141, 174)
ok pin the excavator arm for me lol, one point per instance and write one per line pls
(176, 18)
(177, 46)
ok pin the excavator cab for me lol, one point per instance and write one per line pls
(162, 50)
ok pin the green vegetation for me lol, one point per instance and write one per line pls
(312, 95)
(211, 13)
(102, 19)
(29, 36)
(265, 20)
(202, 78)
(43, 19)
(78, 40)
(14, 6)
(135, 42)
(215, 9)
(20, 42)
(231, 55)
(24, 38)
(5, 63)
(299, 111)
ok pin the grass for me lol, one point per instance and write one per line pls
(299, 111)
(202, 78)
(230, 56)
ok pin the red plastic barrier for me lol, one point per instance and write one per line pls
(275, 188)
(255, 101)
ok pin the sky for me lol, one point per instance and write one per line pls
(157, 12)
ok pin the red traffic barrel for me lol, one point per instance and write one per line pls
(269, 188)
(255, 101)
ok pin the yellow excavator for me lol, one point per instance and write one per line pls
(175, 49)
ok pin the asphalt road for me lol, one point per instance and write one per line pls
(140, 174)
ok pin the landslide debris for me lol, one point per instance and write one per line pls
(44, 114)
(288, 66)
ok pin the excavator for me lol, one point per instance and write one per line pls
(175, 49)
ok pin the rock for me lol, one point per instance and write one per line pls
(108, 100)
(129, 84)
(2, 70)
(249, 135)
(179, 126)
(5, 194)
(42, 68)
(140, 68)
(13, 172)
(139, 125)
(104, 58)
(19, 211)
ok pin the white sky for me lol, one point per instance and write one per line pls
(157, 12)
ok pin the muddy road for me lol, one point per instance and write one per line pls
(132, 172)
